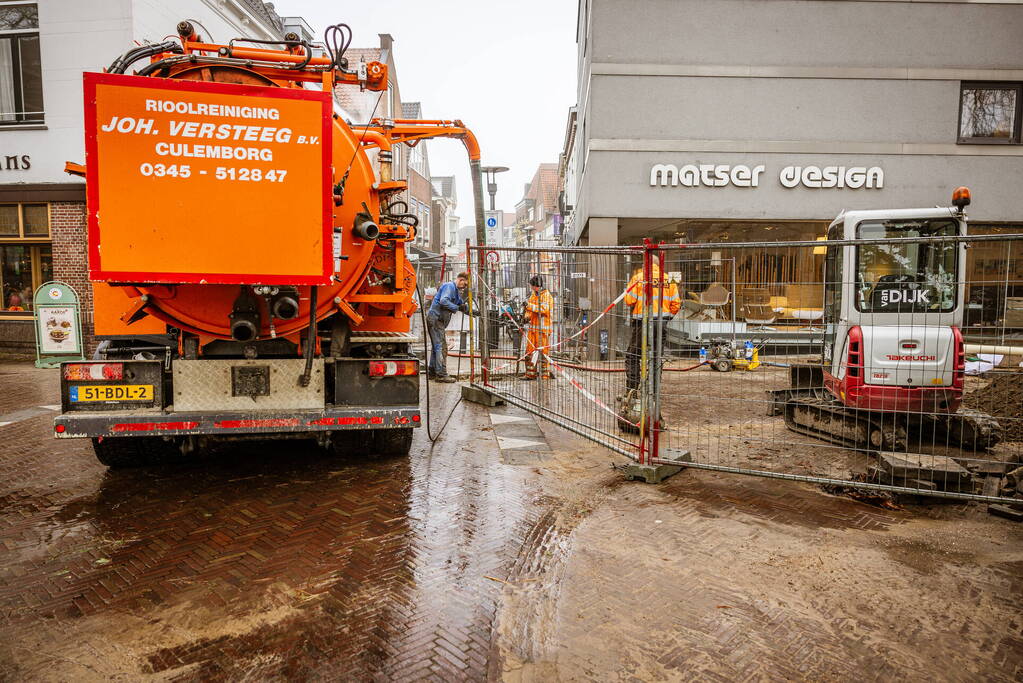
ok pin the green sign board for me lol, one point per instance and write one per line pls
(58, 322)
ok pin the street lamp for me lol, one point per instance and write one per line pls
(490, 172)
(492, 312)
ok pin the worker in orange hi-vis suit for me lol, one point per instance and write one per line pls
(538, 307)
(665, 304)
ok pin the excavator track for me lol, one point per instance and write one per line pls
(967, 429)
(821, 416)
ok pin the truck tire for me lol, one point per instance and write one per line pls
(391, 443)
(121, 452)
(351, 442)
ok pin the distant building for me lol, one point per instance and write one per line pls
(508, 238)
(420, 191)
(537, 221)
(303, 30)
(445, 203)
(364, 105)
(568, 177)
(409, 163)
(705, 120)
(466, 232)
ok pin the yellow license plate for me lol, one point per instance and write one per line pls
(112, 392)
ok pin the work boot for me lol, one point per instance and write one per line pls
(445, 379)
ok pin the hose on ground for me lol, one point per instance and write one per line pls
(426, 356)
(588, 368)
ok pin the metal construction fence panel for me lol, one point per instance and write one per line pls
(432, 271)
(889, 363)
(562, 362)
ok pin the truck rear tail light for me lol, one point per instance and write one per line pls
(391, 368)
(89, 371)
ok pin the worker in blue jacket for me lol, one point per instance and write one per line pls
(449, 299)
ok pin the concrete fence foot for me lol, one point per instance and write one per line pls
(477, 395)
(655, 474)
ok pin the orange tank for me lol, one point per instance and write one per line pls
(247, 252)
(225, 198)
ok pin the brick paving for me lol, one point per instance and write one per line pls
(265, 561)
(469, 562)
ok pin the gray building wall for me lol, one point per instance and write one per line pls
(789, 82)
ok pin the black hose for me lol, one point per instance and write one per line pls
(231, 61)
(121, 64)
(156, 66)
(426, 354)
(311, 338)
(115, 66)
(336, 39)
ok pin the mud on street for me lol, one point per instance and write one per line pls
(507, 551)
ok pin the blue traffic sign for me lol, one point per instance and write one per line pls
(491, 222)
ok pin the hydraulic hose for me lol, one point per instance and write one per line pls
(311, 338)
(121, 64)
(426, 353)
(590, 368)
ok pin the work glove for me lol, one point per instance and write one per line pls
(464, 308)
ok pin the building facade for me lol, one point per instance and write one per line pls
(444, 215)
(702, 120)
(409, 163)
(537, 221)
(420, 189)
(45, 47)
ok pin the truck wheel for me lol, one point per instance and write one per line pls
(120, 452)
(392, 442)
(351, 442)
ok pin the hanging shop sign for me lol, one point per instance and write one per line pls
(741, 175)
(58, 325)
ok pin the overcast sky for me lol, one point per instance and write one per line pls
(505, 67)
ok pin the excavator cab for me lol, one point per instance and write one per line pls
(893, 351)
(894, 309)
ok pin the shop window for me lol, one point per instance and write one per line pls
(21, 81)
(989, 113)
(10, 223)
(22, 269)
(37, 219)
(26, 256)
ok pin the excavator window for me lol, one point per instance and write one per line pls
(907, 277)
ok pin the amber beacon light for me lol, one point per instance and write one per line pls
(961, 197)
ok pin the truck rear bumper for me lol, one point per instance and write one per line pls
(75, 425)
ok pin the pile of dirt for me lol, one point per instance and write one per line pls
(1002, 398)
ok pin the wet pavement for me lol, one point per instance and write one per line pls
(505, 551)
(713, 577)
(264, 560)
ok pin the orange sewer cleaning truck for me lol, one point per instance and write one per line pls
(247, 252)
